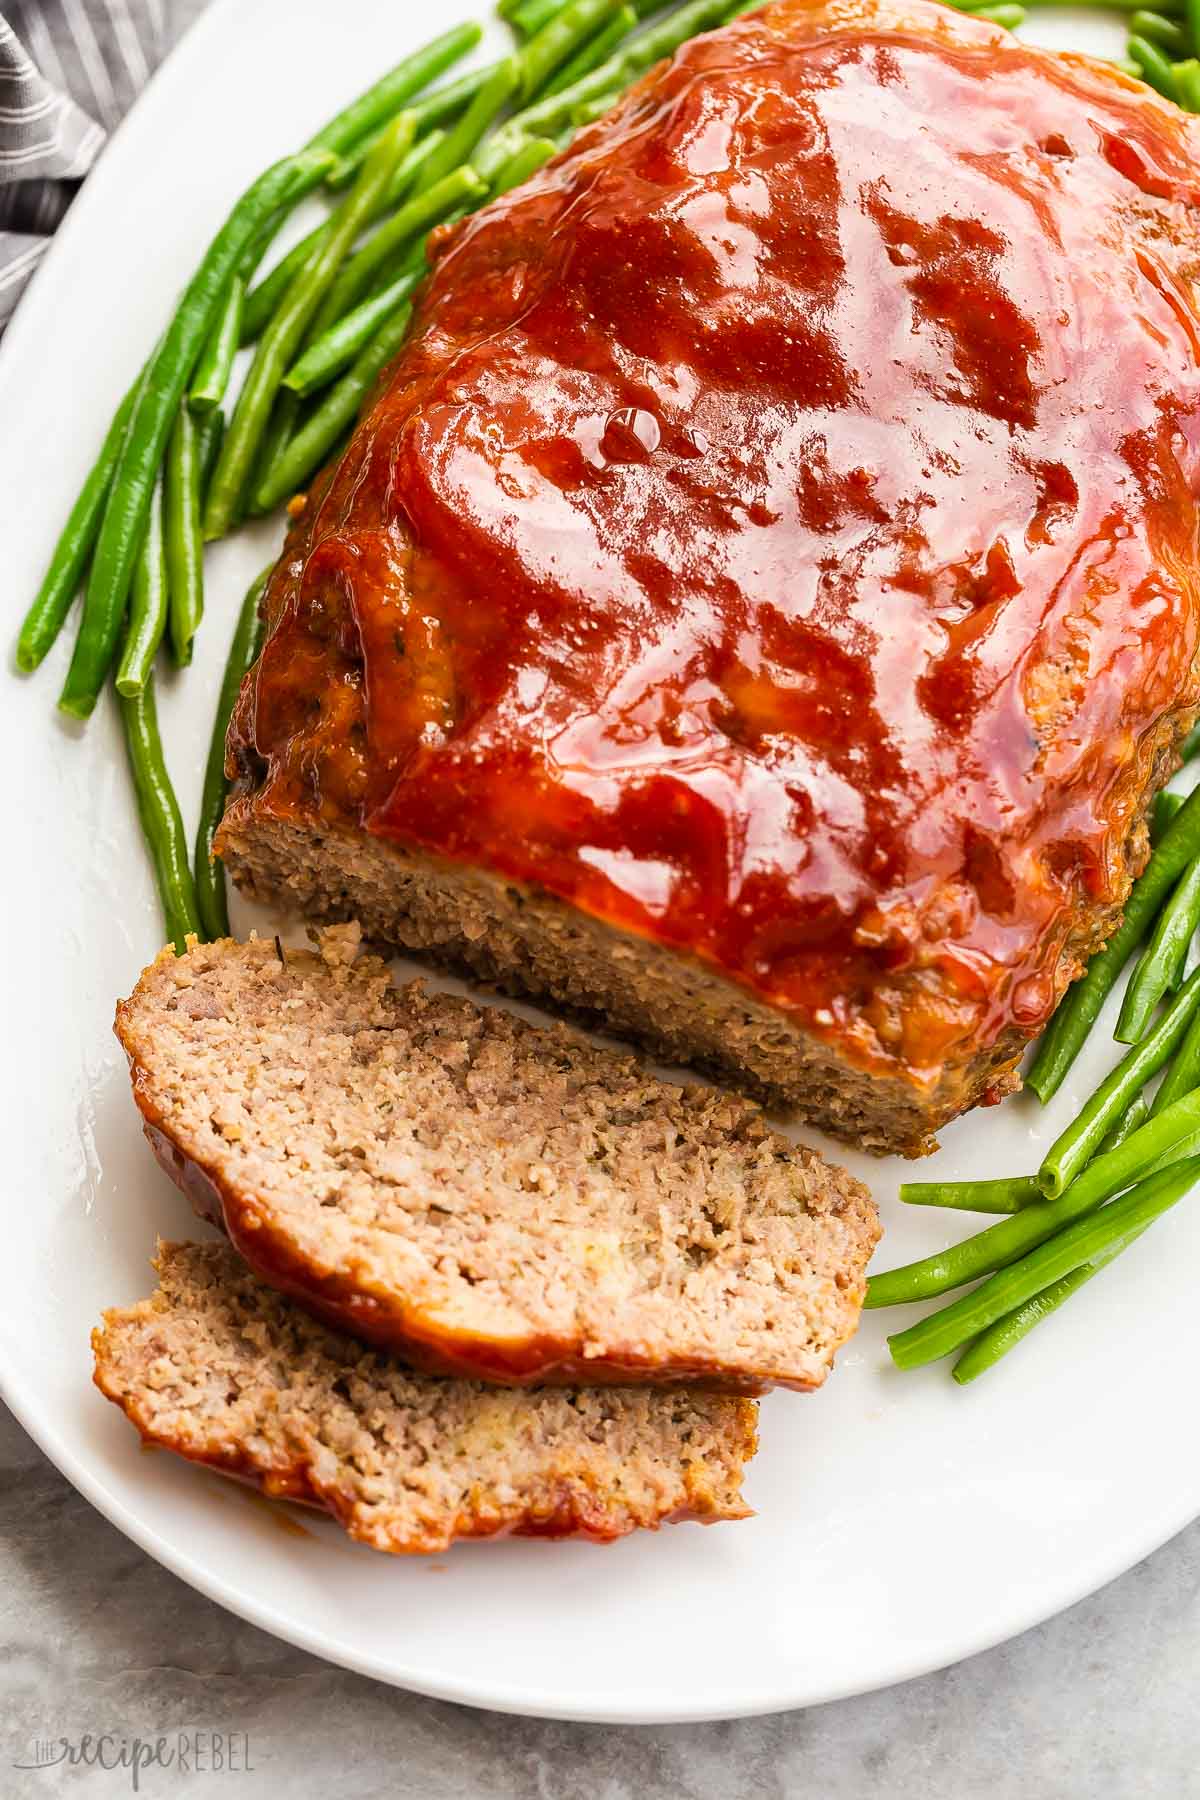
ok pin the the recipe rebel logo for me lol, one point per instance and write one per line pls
(185, 1752)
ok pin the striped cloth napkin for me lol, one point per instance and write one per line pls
(68, 70)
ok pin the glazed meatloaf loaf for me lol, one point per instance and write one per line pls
(483, 1197)
(225, 1372)
(757, 606)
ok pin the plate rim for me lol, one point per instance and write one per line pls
(523, 1702)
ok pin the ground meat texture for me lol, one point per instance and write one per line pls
(759, 602)
(220, 1369)
(482, 1196)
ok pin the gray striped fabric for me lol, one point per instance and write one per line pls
(68, 70)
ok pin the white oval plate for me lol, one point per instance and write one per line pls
(902, 1523)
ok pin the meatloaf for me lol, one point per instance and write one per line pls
(484, 1197)
(225, 1372)
(758, 604)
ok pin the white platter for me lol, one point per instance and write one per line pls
(902, 1523)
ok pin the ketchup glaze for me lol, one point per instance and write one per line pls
(779, 538)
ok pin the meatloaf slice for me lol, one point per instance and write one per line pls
(222, 1370)
(761, 597)
(483, 1197)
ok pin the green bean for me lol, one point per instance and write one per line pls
(1162, 961)
(181, 537)
(1168, 1130)
(998, 1339)
(1183, 1074)
(1191, 742)
(1006, 1194)
(406, 169)
(1155, 67)
(210, 434)
(526, 162)
(388, 95)
(283, 335)
(261, 242)
(286, 409)
(167, 374)
(596, 50)
(414, 219)
(46, 616)
(263, 299)
(446, 103)
(147, 605)
(216, 359)
(280, 427)
(558, 40)
(243, 652)
(1073, 1148)
(417, 260)
(1156, 28)
(412, 169)
(665, 37)
(348, 288)
(1004, 1242)
(337, 411)
(262, 302)
(1064, 1037)
(1172, 7)
(1131, 1120)
(591, 110)
(547, 116)
(463, 136)
(1110, 1229)
(1187, 1146)
(158, 813)
(394, 148)
(553, 112)
(1187, 83)
(1166, 804)
(529, 16)
(335, 303)
(337, 348)
(1010, 16)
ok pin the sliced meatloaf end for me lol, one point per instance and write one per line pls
(222, 1370)
(526, 942)
(482, 1196)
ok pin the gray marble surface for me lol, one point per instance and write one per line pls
(1099, 1704)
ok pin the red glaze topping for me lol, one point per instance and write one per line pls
(779, 538)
